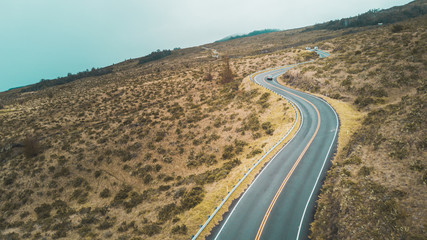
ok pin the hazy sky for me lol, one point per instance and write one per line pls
(50, 38)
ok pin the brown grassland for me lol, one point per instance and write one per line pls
(144, 152)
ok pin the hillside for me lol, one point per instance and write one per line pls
(147, 149)
(379, 176)
(138, 152)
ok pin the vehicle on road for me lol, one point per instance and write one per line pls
(269, 77)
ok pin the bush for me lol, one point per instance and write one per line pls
(263, 100)
(268, 128)
(179, 229)
(63, 172)
(254, 152)
(106, 224)
(122, 194)
(151, 229)
(77, 182)
(362, 101)
(43, 211)
(157, 55)
(160, 135)
(364, 171)
(398, 149)
(228, 152)
(396, 28)
(105, 193)
(147, 179)
(10, 178)
(167, 212)
(135, 200)
(252, 122)
(226, 74)
(353, 159)
(208, 77)
(192, 198)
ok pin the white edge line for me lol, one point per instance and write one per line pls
(320, 172)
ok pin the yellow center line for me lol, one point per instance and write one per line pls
(267, 214)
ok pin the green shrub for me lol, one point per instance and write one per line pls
(192, 198)
(398, 149)
(122, 194)
(10, 178)
(396, 28)
(167, 212)
(147, 179)
(43, 211)
(105, 193)
(347, 82)
(263, 100)
(97, 174)
(364, 171)
(268, 128)
(179, 229)
(254, 152)
(238, 146)
(160, 135)
(135, 200)
(251, 122)
(362, 101)
(31, 147)
(151, 229)
(228, 152)
(106, 224)
(353, 159)
(77, 182)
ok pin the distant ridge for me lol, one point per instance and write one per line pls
(376, 17)
(253, 33)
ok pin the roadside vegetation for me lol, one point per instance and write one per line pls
(378, 177)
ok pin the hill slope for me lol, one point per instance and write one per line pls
(379, 176)
(131, 153)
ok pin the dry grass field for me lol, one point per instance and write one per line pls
(144, 152)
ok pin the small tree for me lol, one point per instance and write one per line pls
(396, 28)
(208, 76)
(226, 74)
(31, 146)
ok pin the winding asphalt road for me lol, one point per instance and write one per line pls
(279, 204)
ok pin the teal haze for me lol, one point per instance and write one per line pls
(46, 39)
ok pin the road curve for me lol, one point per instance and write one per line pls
(279, 204)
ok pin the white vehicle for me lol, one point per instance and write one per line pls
(269, 77)
(315, 48)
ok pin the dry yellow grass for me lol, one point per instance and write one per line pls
(350, 120)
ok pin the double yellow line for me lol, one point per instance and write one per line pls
(273, 202)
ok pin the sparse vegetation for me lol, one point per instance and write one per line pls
(140, 146)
